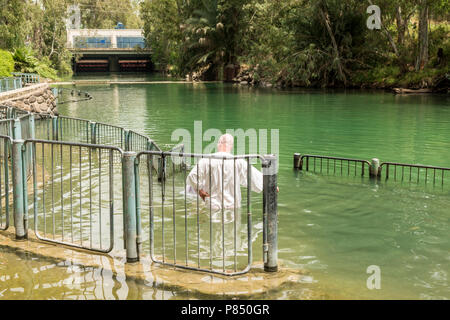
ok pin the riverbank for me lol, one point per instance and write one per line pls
(113, 82)
(436, 80)
(385, 79)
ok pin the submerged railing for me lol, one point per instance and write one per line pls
(389, 170)
(71, 173)
(77, 95)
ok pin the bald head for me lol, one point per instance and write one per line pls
(226, 143)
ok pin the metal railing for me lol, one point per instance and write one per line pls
(331, 165)
(62, 211)
(389, 170)
(27, 78)
(18, 81)
(205, 235)
(10, 83)
(414, 173)
(66, 172)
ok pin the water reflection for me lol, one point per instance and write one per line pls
(38, 277)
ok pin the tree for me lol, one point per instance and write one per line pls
(12, 19)
(422, 57)
(105, 14)
(162, 32)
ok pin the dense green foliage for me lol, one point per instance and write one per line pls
(282, 42)
(35, 31)
(6, 63)
(105, 14)
(300, 42)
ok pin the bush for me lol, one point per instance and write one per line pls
(25, 61)
(6, 63)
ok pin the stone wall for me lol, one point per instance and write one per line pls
(37, 98)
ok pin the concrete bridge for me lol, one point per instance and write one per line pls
(108, 50)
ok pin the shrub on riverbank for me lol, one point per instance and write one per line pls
(6, 63)
(391, 76)
(25, 61)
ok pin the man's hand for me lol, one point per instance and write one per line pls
(203, 194)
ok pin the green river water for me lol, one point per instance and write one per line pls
(331, 226)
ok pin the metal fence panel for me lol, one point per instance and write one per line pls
(74, 129)
(109, 135)
(181, 231)
(70, 181)
(333, 165)
(403, 172)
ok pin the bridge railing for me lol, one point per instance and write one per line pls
(67, 176)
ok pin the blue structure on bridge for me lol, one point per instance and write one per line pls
(112, 50)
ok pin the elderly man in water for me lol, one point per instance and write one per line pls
(211, 194)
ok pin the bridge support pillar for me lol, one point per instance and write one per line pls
(113, 64)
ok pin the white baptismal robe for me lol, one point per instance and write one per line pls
(231, 182)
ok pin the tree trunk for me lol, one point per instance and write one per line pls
(422, 58)
(326, 19)
(388, 35)
(401, 26)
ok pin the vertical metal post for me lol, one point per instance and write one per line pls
(16, 130)
(18, 183)
(32, 135)
(161, 169)
(55, 128)
(127, 139)
(270, 214)
(92, 126)
(129, 206)
(374, 167)
(297, 161)
(32, 126)
(138, 207)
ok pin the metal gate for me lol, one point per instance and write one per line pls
(70, 181)
(187, 232)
